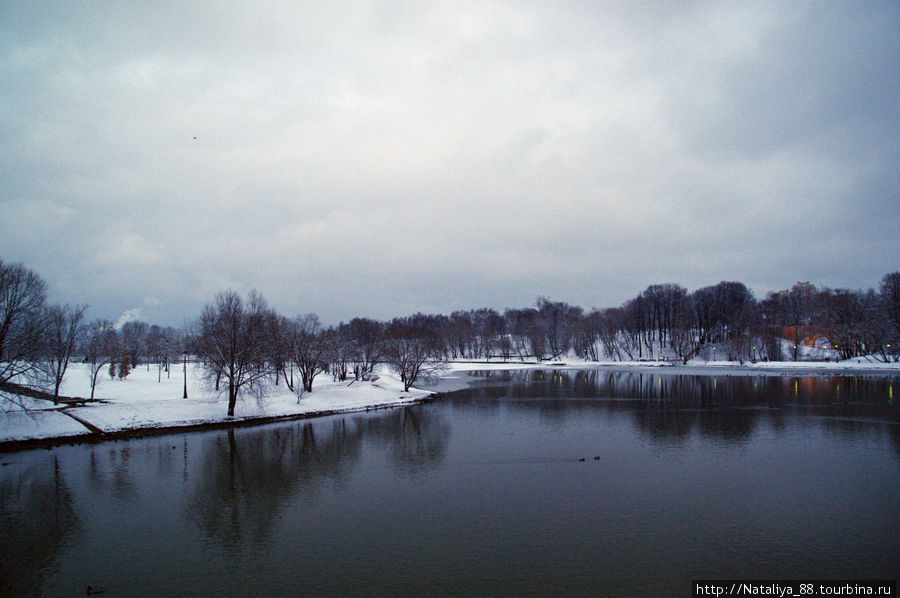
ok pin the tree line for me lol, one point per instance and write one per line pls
(244, 345)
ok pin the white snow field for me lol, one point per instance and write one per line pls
(146, 400)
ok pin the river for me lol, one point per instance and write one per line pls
(592, 482)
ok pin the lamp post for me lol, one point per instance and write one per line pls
(185, 375)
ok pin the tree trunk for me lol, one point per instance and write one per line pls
(232, 398)
(94, 380)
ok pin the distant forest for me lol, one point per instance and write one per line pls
(243, 343)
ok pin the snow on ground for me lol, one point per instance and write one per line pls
(27, 425)
(146, 399)
(856, 365)
(149, 399)
(853, 365)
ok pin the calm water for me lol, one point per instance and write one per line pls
(482, 493)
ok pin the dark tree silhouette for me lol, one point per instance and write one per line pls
(232, 340)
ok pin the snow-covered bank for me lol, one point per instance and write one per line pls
(698, 366)
(148, 400)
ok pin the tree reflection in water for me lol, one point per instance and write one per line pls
(247, 477)
(37, 518)
(416, 438)
(732, 472)
(111, 471)
(669, 407)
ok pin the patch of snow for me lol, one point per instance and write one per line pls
(27, 425)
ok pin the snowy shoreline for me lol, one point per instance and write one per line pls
(779, 368)
(150, 402)
(86, 435)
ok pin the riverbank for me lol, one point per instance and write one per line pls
(150, 401)
(857, 366)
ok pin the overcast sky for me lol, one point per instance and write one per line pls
(382, 158)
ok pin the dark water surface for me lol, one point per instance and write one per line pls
(482, 493)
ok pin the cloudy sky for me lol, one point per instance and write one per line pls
(382, 158)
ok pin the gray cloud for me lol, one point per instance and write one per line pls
(383, 158)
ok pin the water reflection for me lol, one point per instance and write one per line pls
(36, 519)
(669, 407)
(248, 475)
(662, 385)
(710, 476)
(416, 438)
(110, 470)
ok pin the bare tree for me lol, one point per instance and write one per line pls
(102, 348)
(682, 336)
(487, 326)
(726, 313)
(134, 342)
(665, 305)
(281, 347)
(408, 348)
(557, 320)
(460, 334)
(156, 350)
(367, 337)
(528, 332)
(518, 324)
(22, 322)
(586, 335)
(312, 349)
(610, 326)
(635, 332)
(877, 330)
(63, 330)
(231, 341)
(343, 354)
(858, 327)
(890, 297)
